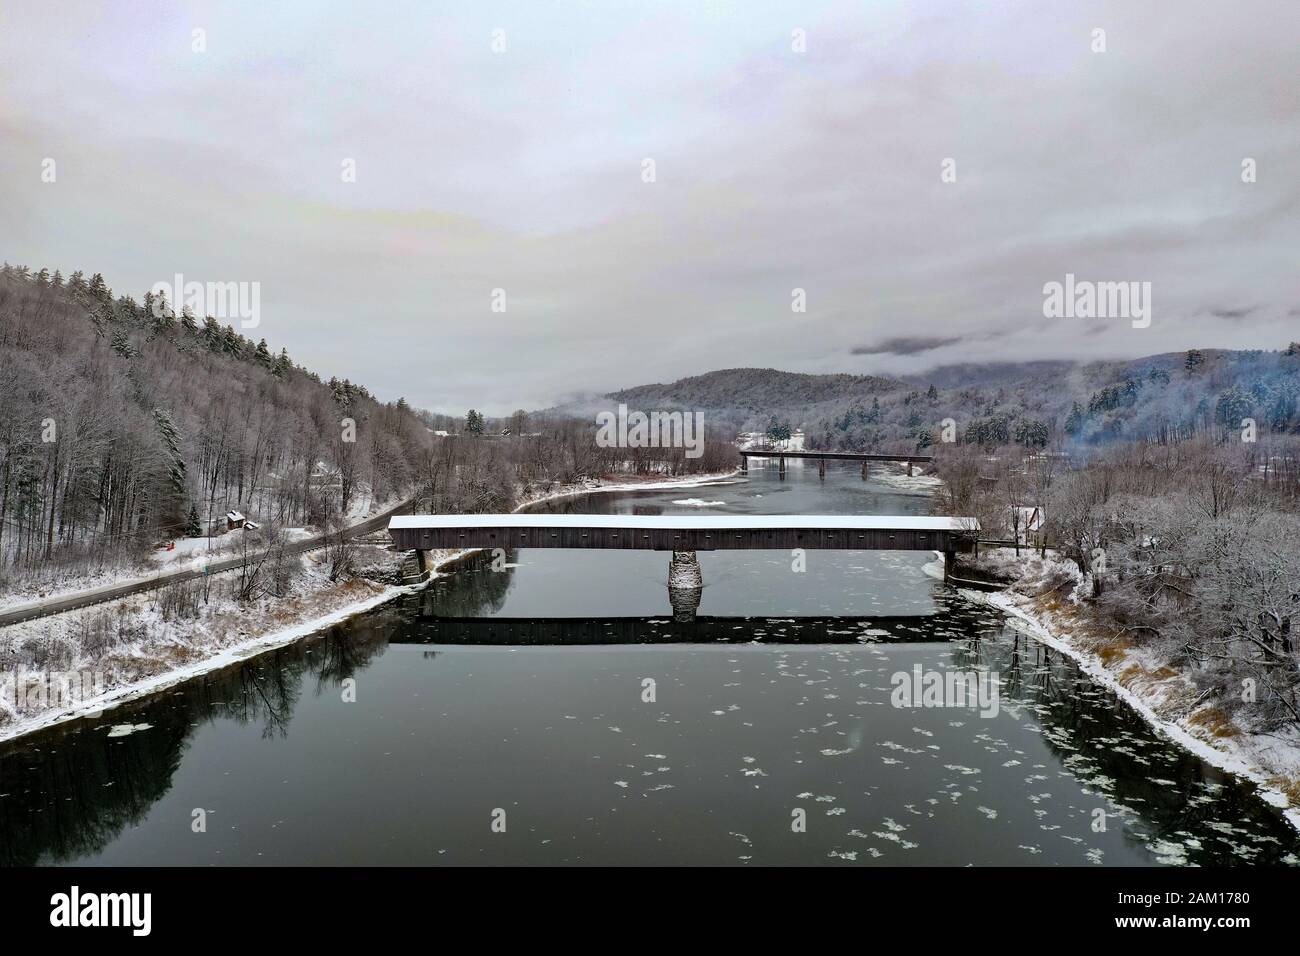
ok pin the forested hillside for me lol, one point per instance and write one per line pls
(119, 427)
(1161, 398)
(754, 390)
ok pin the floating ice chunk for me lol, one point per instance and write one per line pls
(123, 730)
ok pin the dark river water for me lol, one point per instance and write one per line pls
(545, 707)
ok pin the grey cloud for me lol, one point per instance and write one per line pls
(774, 171)
(905, 345)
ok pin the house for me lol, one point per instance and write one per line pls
(234, 519)
(1028, 522)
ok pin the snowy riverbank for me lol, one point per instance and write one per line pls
(1043, 602)
(168, 651)
(39, 585)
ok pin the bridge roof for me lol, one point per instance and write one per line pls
(690, 522)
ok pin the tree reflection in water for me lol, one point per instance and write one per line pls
(70, 792)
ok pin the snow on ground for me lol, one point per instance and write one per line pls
(698, 503)
(1142, 676)
(192, 552)
(165, 652)
(40, 585)
(188, 554)
(36, 586)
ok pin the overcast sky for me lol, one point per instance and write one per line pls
(774, 170)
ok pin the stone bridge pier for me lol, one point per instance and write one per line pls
(685, 585)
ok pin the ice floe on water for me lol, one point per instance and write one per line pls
(125, 730)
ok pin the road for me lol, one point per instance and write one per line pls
(79, 599)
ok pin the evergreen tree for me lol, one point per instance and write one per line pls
(1233, 405)
(121, 344)
(169, 503)
(1032, 433)
(172, 439)
(778, 430)
(230, 342)
(1283, 408)
(1074, 422)
(98, 290)
(193, 525)
(212, 335)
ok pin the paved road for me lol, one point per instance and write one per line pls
(70, 602)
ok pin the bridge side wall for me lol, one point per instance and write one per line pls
(834, 456)
(409, 539)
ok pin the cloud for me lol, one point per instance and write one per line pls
(775, 170)
(905, 345)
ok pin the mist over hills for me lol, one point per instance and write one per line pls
(1036, 403)
(755, 389)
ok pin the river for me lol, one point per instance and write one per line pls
(544, 707)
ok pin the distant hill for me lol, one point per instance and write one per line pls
(1037, 403)
(754, 390)
(965, 374)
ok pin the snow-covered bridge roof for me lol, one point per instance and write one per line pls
(694, 522)
(684, 532)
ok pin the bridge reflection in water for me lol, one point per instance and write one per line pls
(494, 631)
(69, 795)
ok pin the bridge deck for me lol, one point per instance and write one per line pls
(684, 532)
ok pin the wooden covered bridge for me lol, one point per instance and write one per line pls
(684, 535)
(684, 532)
(824, 456)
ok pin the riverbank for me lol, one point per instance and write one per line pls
(45, 583)
(166, 650)
(1043, 601)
